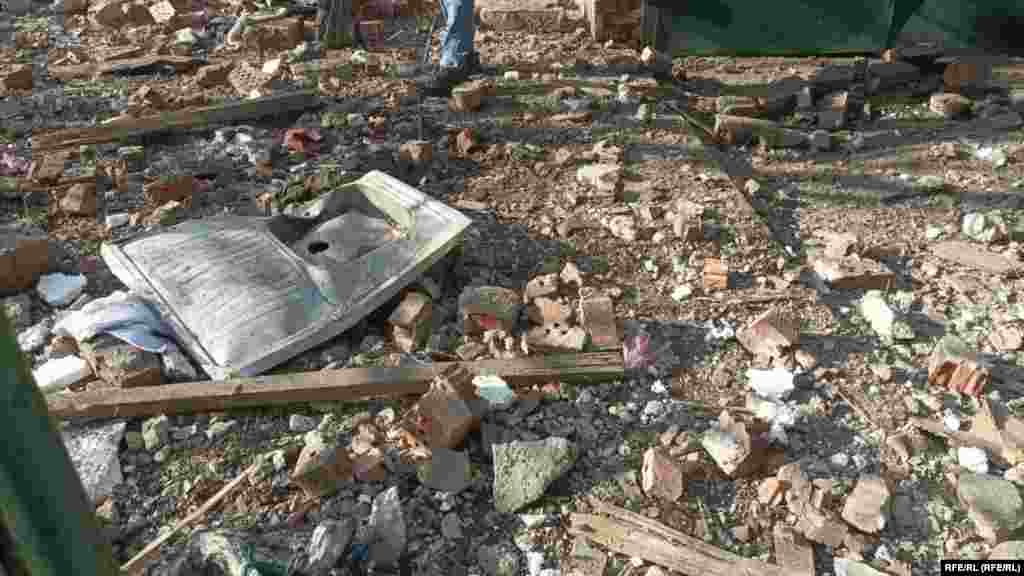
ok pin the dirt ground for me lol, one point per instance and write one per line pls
(900, 182)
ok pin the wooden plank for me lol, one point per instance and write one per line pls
(682, 553)
(793, 552)
(137, 563)
(93, 69)
(277, 104)
(323, 386)
(973, 256)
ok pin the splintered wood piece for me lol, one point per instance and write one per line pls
(232, 112)
(324, 386)
(631, 534)
(137, 563)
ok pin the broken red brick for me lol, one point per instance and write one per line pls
(770, 336)
(661, 475)
(444, 417)
(548, 311)
(169, 189)
(303, 140)
(716, 275)
(23, 258)
(955, 367)
(17, 77)
(557, 336)
(321, 471)
(599, 320)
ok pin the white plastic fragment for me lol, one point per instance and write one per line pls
(973, 459)
(60, 289)
(117, 220)
(59, 373)
(775, 384)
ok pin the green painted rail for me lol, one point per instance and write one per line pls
(49, 526)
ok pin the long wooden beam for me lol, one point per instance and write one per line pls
(232, 112)
(346, 384)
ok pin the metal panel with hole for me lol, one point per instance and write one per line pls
(244, 294)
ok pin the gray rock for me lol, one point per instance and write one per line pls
(300, 423)
(993, 504)
(328, 544)
(35, 337)
(499, 560)
(18, 309)
(94, 452)
(524, 470)
(1009, 550)
(155, 432)
(820, 141)
(177, 367)
(451, 526)
(388, 525)
(1017, 101)
(219, 429)
(446, 471)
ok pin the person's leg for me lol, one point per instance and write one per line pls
(457, 58)
(457, 37)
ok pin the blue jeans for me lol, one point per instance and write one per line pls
(457, 36)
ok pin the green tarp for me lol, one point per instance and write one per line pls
(806, 27)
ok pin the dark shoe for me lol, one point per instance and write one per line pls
(441, 82)
(473, 63)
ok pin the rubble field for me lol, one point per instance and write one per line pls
(757, 315)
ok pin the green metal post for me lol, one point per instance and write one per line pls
(50, 526)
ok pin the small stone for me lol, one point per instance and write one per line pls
(388, 525)
(35, 337)
(606, 178)
(156, 432)
(446, 471)
(60, 289)
(328, 544)
(219, 429)
(499, 560)
(94, 454)
(820, 141)
(300, 423)
(451, 526)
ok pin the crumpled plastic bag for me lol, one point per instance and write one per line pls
(122, 315)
